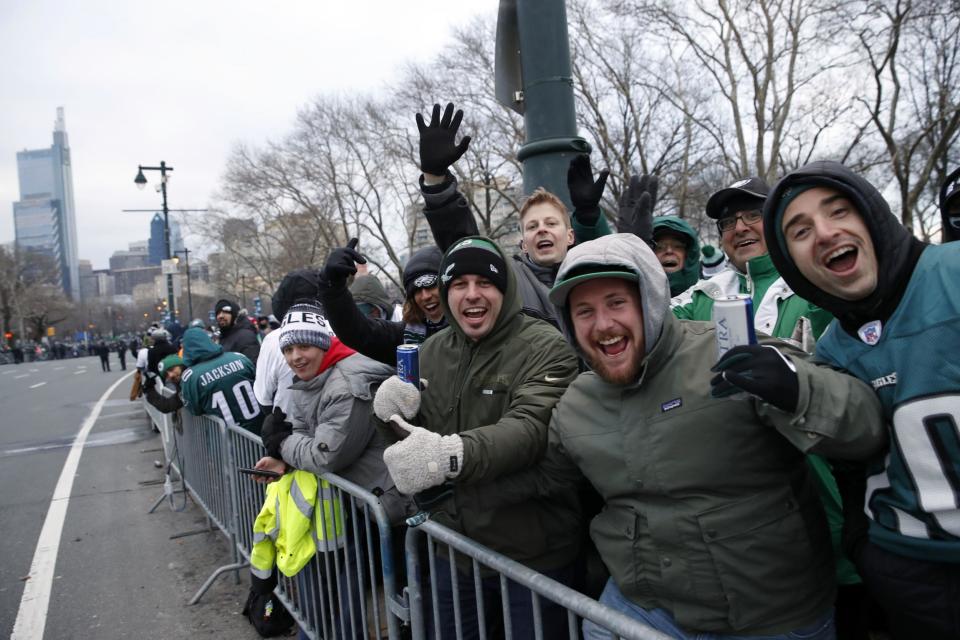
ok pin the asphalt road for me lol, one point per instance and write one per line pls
(118, 573)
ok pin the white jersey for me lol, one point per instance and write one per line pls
(274, 375)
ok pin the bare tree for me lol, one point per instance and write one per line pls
(912, 49)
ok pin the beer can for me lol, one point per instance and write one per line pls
(408, 363)
(733, 317)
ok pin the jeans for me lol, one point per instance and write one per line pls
(553, 616)
(661, 620)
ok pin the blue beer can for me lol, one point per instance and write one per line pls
(733, 317)
(408, 363)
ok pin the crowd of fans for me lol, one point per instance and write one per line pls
(572, 406)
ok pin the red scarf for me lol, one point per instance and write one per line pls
(337, 352)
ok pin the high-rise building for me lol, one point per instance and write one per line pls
(158, 249)
(45, 217)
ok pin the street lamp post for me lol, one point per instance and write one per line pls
(141, 182)
(186, 256)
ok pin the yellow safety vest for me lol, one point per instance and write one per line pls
(289, 529)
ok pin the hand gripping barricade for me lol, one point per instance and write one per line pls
(350, 586)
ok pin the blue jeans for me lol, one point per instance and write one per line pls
(553, 616)
(661, 620)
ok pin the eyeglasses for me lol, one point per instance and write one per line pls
(749, 218)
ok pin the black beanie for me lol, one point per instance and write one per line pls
(300, 284)
(225, 305)
(422, 269)
(477, 256)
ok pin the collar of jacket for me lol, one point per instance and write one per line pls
(667, 344)
(546, 275)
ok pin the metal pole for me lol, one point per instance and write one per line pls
(186, 255)
(166, 238)
(549, 116)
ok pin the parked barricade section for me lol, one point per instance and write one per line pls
(474, 615)
(349, 588)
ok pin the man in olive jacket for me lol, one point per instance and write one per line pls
(712, 523)
(494, 376)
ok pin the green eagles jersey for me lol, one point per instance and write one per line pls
(913, 490)
(219, 383)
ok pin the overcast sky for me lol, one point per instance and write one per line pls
(183, 82)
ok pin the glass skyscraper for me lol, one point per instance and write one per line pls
(45, 217)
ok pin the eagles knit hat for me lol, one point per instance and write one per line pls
(477, 256)
(751, 190)
(305, 324)
(169, 362)
(421, 270)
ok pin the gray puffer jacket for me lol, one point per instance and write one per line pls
(333, 429)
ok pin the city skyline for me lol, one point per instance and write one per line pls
(186, 84)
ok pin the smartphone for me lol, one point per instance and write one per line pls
(259, 472)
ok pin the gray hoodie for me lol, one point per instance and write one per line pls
(619, 251)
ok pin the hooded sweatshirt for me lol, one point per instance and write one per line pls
(700, 493)
(686, 277)
(218, 383)
(903, 340)
(367, 289)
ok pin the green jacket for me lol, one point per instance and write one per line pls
(219, 383)
(780, 309)
(497, 394)
(776, 313)
(711, 510)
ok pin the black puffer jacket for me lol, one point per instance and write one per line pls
(241, 337)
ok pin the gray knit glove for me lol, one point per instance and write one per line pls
(396, 397)
(423, 459)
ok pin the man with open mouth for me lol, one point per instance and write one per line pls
(493, 376)
(832, 236)
(712, 524)
(678, 248)
(548, 229)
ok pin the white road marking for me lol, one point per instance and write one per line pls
(32, 615)
(76, 373)
(3, 373)
(34, 370)
(57, 368)
(26, 375)
(39, 384)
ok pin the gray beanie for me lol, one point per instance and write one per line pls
(305, 324)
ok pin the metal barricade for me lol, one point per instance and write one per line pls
(349, 589)
(540, 587)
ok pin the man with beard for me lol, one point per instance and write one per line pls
(236, 332)
(701, 491)
(833, 237)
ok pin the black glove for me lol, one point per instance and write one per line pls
(341, 264)
(437, 150)
(585, 194)
(636, 207)
(274, 431)
(760, 370)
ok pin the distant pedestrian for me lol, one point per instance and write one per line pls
(122, 353)
(104, 352)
